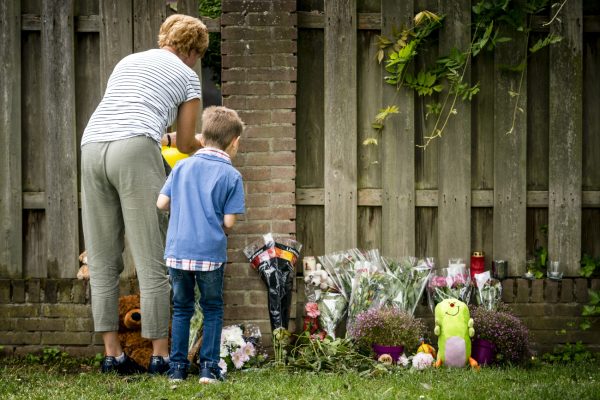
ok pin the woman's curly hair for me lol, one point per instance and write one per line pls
(184, 34)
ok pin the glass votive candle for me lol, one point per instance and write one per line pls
(554, 271)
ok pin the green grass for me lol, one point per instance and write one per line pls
(22, 380)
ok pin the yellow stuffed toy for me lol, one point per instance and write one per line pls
(454, 328)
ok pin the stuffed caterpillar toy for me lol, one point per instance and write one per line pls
(454, 328)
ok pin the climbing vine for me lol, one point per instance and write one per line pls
(491, 19)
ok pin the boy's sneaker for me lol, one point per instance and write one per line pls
(126, 367)
(208, 375)
(177, 374)
(158, 365)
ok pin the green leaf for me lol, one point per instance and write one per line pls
(548, 40)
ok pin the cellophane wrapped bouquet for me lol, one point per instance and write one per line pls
(240, 347)
(447, 283)
(274, 257)
(489, 291)
(341, 268)
(404, 282)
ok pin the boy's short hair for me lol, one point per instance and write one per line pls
(184, 34)
(220, 126)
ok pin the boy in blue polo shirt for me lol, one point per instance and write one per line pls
(204, 193)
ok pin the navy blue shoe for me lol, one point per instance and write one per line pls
(211, 375)
(158, 365)
(125, 367)
(177, 374)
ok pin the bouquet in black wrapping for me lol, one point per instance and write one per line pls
(274, 259)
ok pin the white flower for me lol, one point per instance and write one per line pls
(422, 360)
(223, 366)
(224, 352)
(231, 336)
(403, 360)
(238, 359)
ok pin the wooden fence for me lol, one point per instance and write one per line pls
(476, 188)
(55, 59)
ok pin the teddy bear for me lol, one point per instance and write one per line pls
(130, 330)
(454, 328)
(84, 272)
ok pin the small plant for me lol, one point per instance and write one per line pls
(506, 331)
(590, 266)
(568, 353)
(387, 327)
(329, 354)
(591, 311)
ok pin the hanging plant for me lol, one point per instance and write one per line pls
(447, 75)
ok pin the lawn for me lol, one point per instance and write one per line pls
(22, 380)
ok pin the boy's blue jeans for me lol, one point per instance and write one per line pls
(211, 302)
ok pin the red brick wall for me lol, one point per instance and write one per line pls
(259, 81)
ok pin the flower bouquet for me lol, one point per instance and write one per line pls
(447, 284)
(240, 347)
(405, 281)
(489, 290)
(342, 268)
(274, 258)
(368, 282)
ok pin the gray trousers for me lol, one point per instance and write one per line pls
(120, 182)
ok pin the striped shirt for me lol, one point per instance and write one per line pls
(193, 265)
(142, 97)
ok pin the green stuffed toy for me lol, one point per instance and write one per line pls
(454, 328)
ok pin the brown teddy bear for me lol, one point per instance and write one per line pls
(130, 330)
(84, 272)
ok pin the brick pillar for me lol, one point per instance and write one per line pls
(259, 81)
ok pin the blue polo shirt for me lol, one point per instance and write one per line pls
(202, 188)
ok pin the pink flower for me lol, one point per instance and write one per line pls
(238, 358)
(223, 366)
(312, 310)
(249, 350)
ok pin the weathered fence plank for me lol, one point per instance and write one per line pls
(340, 125)
(310, 138)
(11, 223)
(398, 145)
(510, 163)
(148, 15)
(565, 144)
(369, 169)
(426, 161)
(57, 59)
(115, 35)
(454, 209)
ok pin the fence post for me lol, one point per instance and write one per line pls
(11, 223)
(565, 142)
(58, 123)
(454, 202)
(398, 145)
(510, 155)
(340, 125)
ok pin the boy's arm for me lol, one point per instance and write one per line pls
(229, 220)
(163, 202)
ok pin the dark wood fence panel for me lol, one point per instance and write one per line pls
(11, 262)
(565, 144)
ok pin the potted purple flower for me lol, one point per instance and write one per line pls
(499, 337)
(387, 331)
